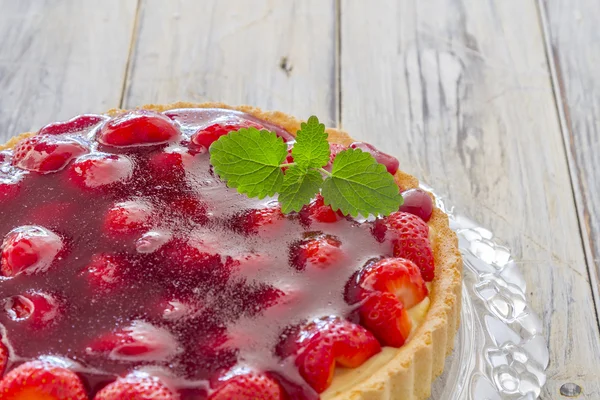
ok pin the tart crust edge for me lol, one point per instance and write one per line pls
(409, 373)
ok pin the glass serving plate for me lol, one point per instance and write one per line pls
(500, 352)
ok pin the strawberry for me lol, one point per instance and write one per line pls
(139, 127)
(318, 211)
(30, 250)
(182, 258)
(45, 153)
(206, 136)
(100, 170)
(327, 341)
(259, 220)
(410, 235)
(417, 202)
(127, 218)
(105, 272)
(179, 309)
(391, 163)
(189, 206)
(3, 358)
(136, 387)
(334, 150)
(38, 310)
(248, 386)
(139, 341)
(385, 316)
(42, 380)
(320, 252)
(77, 124)
(168, 167)
(398, 276)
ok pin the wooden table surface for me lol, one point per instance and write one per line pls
(495, 102)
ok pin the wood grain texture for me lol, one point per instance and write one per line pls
(575, 52)
(271, 54)
(59, 59)
(460, 90)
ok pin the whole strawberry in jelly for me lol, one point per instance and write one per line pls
(29, 249)
(46, 153)
(139, 127)
(417, 202)
(207, 135)
(76, 124)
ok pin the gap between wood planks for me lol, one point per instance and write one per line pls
(132, 44)
(562, 109)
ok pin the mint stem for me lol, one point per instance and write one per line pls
(323, 170)
(287, 165)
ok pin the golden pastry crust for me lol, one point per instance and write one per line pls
(398, 374)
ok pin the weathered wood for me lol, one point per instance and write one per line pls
(460, 90)
(275, 55)
(574, 49)
(59, 59)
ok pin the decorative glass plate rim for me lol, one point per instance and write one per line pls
(500, 351)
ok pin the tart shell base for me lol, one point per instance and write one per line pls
(405, 373)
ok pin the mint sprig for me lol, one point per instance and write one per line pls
(253, 161)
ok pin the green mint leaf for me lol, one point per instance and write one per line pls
(249, 160)
(299, 187)
(311, 149)
(360, 185)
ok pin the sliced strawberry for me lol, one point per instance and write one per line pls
(139, 341)
(138, 127)
(391, 163)
(248, 386)
(136, 387)
(100, 170)
(46, 153)
(410, 235)
(38, 310)
(128, 218)
(398, 276)
(42, 381)
(385, 316)
(318, 211)
(30, 250)
(327, 341)
(259, 220)
(319, 252)
(106, 272)
(3, 358)
(73, 125)
(207, 135)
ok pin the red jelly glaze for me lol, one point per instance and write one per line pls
(164, 269)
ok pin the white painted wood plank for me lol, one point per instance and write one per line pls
(272, 54)
(60, 58)
(575, 52)
(460, 90)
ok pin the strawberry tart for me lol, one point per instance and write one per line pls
(129, 270)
